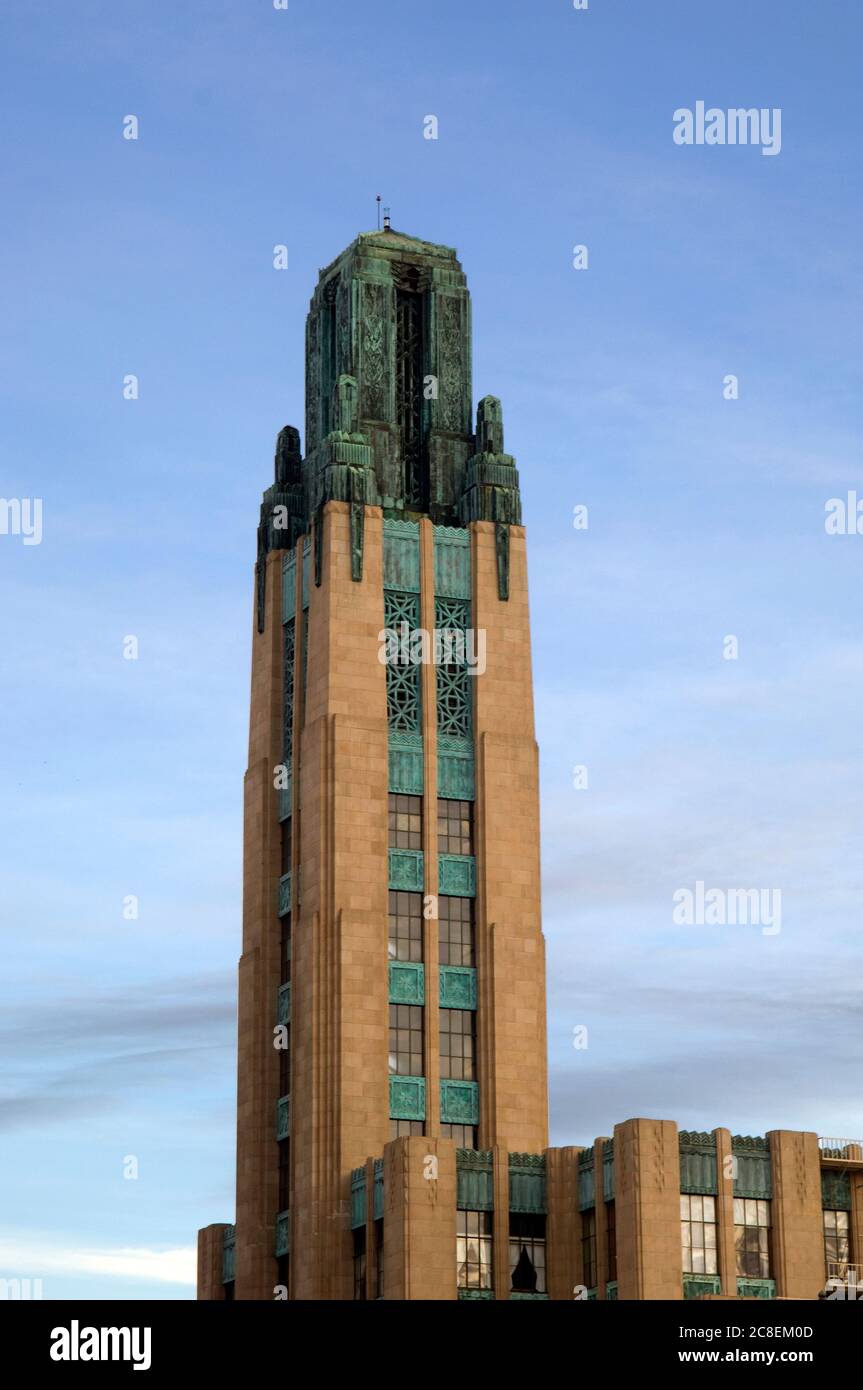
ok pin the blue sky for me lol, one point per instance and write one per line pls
(154, 257)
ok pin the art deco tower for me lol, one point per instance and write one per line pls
(392, 980)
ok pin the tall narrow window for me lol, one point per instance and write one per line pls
(405, 926)
(328, 353)
(752, 1237)
(456, 931)
(405, 821)
(287, 841)
(406, 1039)
(284, 1174)
(698, 1234)
(410, 330)
(400, 1128)
(454, 826)
(360, 1263)
(527, 1252)
(379, 1258)
(837, 1243)
(611, 1240)
(285, 1063)
(458, 1044)
(286, 950)
(588, 1248)
(474, 1249)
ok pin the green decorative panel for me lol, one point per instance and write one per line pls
(406, 870)
(378, 1190)
(289, 588)
(528, 1298)
(407, 983)
(406, 763)
(402, 556)
(284, 895)
(754, 1177)
(284, 795)
(611, 1291)
(459, 1102)
(457, 875)
(696, 1285)
(586, 1184)
(456, 770)
(358, 1198)
(284, 1015)
(835, 1191)
(288, 665)
(476, 1295)
(407, 1097)
(457, 985)
(283, 1117)
(307, 558)
(527, 1182)
(229, 1245)
(451, 562)
(698, 1163)
(283, 1234)
(453, 679)
(756, 1288)
(474, 1180)
(404, 700)
(592, 1295)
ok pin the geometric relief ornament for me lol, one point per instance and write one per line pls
(406, 870)
(457, 986)
(407, 1097)
(283, 1234)
(284, 895)
(527, 1184)
(457, 875)
(406, 983)
(283, 1117)
(459, 1102)
(455, 769)
(284, 1007)
(406, 763)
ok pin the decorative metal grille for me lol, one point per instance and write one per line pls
(409, 379)
(402, 616)
(290, 654)
(452, 616)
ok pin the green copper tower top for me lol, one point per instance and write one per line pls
(389, 398)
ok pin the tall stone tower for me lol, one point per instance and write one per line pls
(392, 980)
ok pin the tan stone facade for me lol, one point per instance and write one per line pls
(361, 1175)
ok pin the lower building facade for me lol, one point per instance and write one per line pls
(648, 1213)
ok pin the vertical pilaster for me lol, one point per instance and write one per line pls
(856, 1223)
(602, 1274)
(500, 1223)
(210, 1241)
(647, 1195)
(341, 1005)
(562, 1229)
(725, 1212)
(259, 970)
(420, 1219)
(510, 947)
(798, 1230)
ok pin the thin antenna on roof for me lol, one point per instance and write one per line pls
(378, 200)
